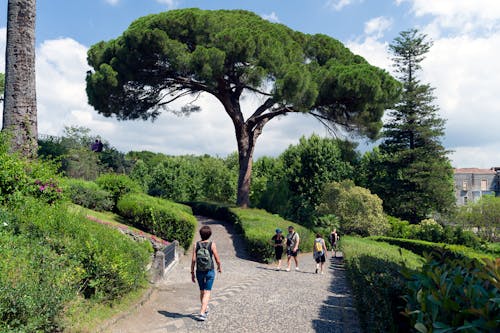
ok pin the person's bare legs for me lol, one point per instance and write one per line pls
(296, 262)
(279, 264)
(204, 298)
(288, 263)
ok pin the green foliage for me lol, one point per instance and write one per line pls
(483, 215)
(430, 230)
(88, 194)
(163, 218)
(411, 173)
(49, 256)
(374, 270)
(117, 185)
(184, 178)
(420, 247)
(451, 294)
(359, 211)
(257, 227)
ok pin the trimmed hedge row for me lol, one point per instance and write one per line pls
(419, 247)
(374, 270)
(257, 227)
(160, 217)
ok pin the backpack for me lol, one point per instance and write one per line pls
(204, 257)
(318, 246)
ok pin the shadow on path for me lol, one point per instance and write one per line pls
(175, 315)
(337, 313)
(238, 242)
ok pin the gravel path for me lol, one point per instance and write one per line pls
(248, 296)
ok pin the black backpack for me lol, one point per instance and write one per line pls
(204, 257)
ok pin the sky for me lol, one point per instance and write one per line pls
(462, 66)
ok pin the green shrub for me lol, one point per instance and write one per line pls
(451, 295)
(419, 247)
(88, 194)
(431, 231)
(359, 211)
(49, 256)
(374, 270)
(117, 185)
(163, 218)
(257, 227)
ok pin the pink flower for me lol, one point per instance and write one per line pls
(42, 188)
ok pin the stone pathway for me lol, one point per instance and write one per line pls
(248, 296)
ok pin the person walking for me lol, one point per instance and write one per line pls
(292, 248)
(277, 242)
(203, 254)
(333, 239)
(319, 252)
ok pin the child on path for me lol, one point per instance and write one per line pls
(277, 241)
(203, 254)
(319, 252)
(292, 248)
(333, 238)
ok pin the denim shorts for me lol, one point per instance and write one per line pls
(205, 279)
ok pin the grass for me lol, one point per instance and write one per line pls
(87, 316)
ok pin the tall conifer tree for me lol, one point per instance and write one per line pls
(418, 174)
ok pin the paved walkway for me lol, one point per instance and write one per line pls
(248, 296)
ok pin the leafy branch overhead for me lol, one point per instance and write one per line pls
(165, 56)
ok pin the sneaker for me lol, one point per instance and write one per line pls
(278, 268)
(322, 272)
(202, 317)
(206, 311)
(297, 269)
(317, 271)
(288, 269)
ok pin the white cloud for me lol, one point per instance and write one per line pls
(338, 5)
(377, 26)
(112, 2)
(462, 16)
(464, 70)
(3, 41)
(169, 3)
(271, 17)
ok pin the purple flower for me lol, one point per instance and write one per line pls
(41, 188)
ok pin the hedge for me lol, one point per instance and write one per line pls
(374, 270)
(160, 217)
(257, 227)
(51, 256)
(88, 194)
(419, 247)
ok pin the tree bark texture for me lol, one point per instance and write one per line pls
(245, 157)
(20, 112)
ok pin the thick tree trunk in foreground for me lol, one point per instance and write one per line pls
(20, 113)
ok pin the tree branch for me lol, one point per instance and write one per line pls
(261, 109)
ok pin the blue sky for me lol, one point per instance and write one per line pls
(462, 66)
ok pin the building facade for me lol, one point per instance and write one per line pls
(472, 183)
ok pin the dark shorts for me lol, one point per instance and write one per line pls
(291, 253)
(278, 251)
(205, 279)
(320, 258)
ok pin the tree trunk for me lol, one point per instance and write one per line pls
(246, 145)
(20, 113)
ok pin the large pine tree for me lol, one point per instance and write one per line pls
(418, 174)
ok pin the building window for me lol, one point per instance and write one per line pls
(484, 185)
(464, 185)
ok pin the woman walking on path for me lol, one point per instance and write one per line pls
(203, 254)
(333, 238)
(319, 253)
(277, 241)
(292, 248)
